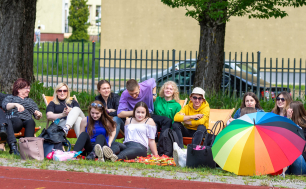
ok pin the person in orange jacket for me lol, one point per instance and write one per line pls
(192, 118)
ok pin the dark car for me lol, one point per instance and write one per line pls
(230, 82)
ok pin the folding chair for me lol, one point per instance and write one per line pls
(47, 100)
(183, 102)
(214, 116)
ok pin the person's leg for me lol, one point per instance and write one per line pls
(101, 140)
(83, 142)
(119, 124)
(10, 133)
(181, 132)
(29, 128)
(17, 124)
(161, 122)
(199, 135)
(133, 151)
(73, 116)
(298, 167)
(77, 126)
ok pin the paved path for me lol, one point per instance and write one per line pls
(12, 177)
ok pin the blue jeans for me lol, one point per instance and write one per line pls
(119, 123)
(298, 167)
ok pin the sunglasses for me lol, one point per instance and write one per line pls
(59, 91)
(196, 98)
(280, 99)
(96, 105)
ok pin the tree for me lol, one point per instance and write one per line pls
(78, 17)
(212, 16)
(17, 22)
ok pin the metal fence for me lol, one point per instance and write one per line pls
(82, 65)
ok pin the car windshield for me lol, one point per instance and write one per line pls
(189, 64)
(245, 66)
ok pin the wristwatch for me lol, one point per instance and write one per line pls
(154, 94)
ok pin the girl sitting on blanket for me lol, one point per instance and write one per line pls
(98, 129)
(139, 131)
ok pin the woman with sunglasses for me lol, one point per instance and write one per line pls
(97, 130)
(249, 100)
(67, 111)
(282, 103)
(140, 131)
(296, 112)
(167, 104)
(194, 116)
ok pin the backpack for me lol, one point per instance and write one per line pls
(165, 142)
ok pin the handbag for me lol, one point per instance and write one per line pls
(31, 148)
(203, 155)
(54, 134)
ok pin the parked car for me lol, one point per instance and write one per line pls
(246, 82)
(191, 63)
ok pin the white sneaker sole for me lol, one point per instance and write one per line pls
(108, 153)
(99, 152)
(175, 157)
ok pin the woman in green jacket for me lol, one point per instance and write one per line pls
(167, 104)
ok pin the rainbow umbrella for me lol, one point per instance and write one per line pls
(257, 144)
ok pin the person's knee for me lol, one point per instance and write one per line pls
(201, 128)
(29, 123)
(100, 137)
(176, 126)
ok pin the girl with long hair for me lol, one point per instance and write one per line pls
(282, 103)
(97, 130)
(140, 133)
(249, 100)
(296, 112)
(167, 104)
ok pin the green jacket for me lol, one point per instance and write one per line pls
(164, 108)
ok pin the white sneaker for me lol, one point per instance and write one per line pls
(179, 155)
(99, 152)
(108, 153)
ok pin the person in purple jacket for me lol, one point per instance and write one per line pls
(145, 92)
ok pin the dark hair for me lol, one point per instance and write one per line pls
(141, 104)
(288, 100)
(131, 84)
(247, 110)
(257, 105)
(103, 119)
(101, 83)
(19, 84)
(299, 113)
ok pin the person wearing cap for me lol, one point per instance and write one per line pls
(194, 116)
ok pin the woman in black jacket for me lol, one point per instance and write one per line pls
(111, 102)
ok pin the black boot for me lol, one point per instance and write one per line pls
(3, 135)
(91, 156)
(14, 149)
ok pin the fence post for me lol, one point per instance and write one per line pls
(258, 75)
(173, 64)
(57, 57)
(93, 68)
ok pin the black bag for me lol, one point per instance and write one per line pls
(204, 157)
(218, 126)
(54, 134)
(165, 142)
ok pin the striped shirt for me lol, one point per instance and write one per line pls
(29, 107)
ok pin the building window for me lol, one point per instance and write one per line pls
(98, 15)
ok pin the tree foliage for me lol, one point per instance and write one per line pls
(78, 17)
(212, 16)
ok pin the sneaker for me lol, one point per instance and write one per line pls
(99, 152)
(108, 153)
(91, 156)
(66, 130)
(179, 155)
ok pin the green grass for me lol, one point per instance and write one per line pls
(80, 62)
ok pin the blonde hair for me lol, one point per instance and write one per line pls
(55, 99)
(175, 90)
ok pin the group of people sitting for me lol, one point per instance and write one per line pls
(138, 112)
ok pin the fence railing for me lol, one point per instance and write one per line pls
(82, 65)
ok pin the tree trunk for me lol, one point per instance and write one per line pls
(211, 57)
(17, 22)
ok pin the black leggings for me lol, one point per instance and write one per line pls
(9, 128)
(129, 150)
(29, 126)
(84, 142)
(182, 131)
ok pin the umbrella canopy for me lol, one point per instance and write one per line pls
(257, 144)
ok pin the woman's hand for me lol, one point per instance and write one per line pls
(37, 114)
(111, 110)
(231, 119)
(19, 107)
(289, 113)
(65, 113)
